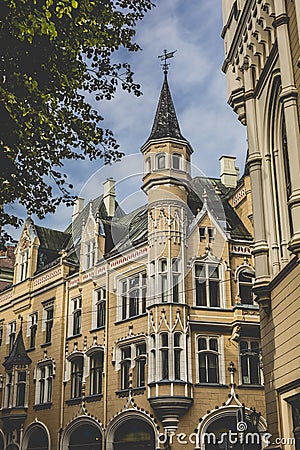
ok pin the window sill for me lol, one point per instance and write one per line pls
(216, 385)
(245, 306)
(250, 386)
(74, 401)
(31, 349)
(135, 391)
(74, 336)
(41, 406)
(93, 398)
(153, 383)
(46, 344)
(211, 308)
(97, 329)
(131, 318)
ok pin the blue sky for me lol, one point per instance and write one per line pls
(198, 87)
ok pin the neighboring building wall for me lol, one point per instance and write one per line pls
(262, 51)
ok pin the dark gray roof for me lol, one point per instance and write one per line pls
(165, 121)
(18, 353)
(51, 244)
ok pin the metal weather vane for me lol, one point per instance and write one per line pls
(166, 55)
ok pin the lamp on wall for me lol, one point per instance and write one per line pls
(254, 417)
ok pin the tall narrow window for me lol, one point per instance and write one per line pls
(133, 296)
(176, 161)
(11, 334)
(49, 317)
(177, 356)
(76, 315)
(45, 383)
(90, 248)
(96, 371)
(23, 264)
(163, 279)
(1, 334)
(33, 321)
(208, 360)
(8, 390)
(245, 280)
(125, 366)
(148, 165)
(21, 387)
(207, 280)
(76, 377)
(100, 308)
(175, 279)
(140, 364)
(250, 362)
(164, 355)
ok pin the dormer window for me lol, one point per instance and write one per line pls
(176, 161)
(23, 264)
(161, 161)
(90, 254)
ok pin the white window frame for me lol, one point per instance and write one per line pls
(220, 353)
(99, 299)
(75, 385)
(23, 264)
(249, 340)
(94, 370)
(48, 322)
(178, 157)
(159, 157)
(221, 272)
(125, 302)
(90, 253)
(239, 271)
(75, 309)
(132, 361)
(32, 329)
(48, 383)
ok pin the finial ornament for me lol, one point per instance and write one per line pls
(166, 55)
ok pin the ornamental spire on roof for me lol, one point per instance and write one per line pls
(165, 121)
(18, 354)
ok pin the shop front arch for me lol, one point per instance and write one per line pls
(221, 430)
(36, 437)
(83, 433)
(131, 431)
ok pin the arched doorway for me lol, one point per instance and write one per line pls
(134, 434)
(222, 434)
(85, 437)
(38, 439)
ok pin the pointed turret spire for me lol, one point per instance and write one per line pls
(18, 354)
(165, 122)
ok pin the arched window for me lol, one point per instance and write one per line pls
(96, 372)
(245, 280)
(134, 434)
(208, 359)
(86, 437)
(23, 263)
(148, 165)
(38, 439)
(176, 161)
(163, 277)
(207, 279)
(152, 374)
(161, 161)
(76, 376)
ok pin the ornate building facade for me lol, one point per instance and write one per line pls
(262, 65)
(139, 330)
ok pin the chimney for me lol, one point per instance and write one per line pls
(109, 196)
(78, 207)
(229, 173)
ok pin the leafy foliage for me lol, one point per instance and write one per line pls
(53, 53)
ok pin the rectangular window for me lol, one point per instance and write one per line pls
(21, 388)
(140, 364)
(90, 254)
(1, 334)
(76, 377)
(208, 359)
(133, 296)
(125, 366)
(11, 334)
(250, 362)
(23, 264)
(76, 315)
(99, 308)
(33, 321)
(49, 317)
(45, 383)
(96, 364)
(207, 282)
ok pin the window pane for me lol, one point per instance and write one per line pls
(161, 162)
(199, 270)
(213, 344)
(201, 344)
(201, 299)
(165, 364)
(176, 161)
(164, 340)
(213, 376)
(214, 293)
(177, 353)
(202, 368)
